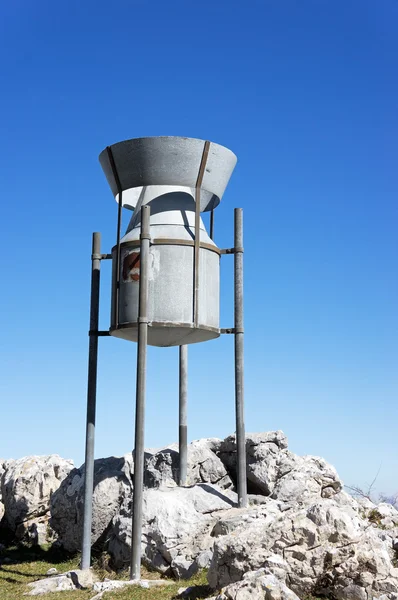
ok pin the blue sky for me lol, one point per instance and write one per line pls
(306, 94)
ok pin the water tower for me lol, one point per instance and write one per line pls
(165, 284)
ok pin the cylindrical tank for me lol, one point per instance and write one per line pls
(163, 173)
(171, 282)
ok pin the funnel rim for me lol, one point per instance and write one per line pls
(169, 161)
(165, 137)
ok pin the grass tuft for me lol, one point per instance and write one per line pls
(376, 518)
(24, 565)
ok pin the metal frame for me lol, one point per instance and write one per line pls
(135, 566)
(212, 225)
(201, 172)
(182, 415)
(96, 258)
(119, 226)
(239, 363)
(142, 325)
(183, 352)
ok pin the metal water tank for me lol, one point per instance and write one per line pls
(170, 175)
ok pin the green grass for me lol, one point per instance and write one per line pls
(28, 565)
(376, 518)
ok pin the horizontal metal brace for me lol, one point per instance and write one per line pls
(99, 333)
(231, 250)
(101, 256)
(170, 242)
(232, 330)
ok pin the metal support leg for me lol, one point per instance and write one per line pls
(91, 401)
(135, 567)
(183, 397)
(239, 372)
(212, 225)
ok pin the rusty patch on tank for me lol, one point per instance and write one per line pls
(131, 267)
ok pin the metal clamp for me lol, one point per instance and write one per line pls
(143, 319)
(96, 256)
(229, 330)
(101, 256)
(99, 333)
(145, 236)
(231, 250)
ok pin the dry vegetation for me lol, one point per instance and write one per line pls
(24, 565)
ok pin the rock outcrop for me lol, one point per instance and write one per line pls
(383, 518)
(204, 466)
(315, 537)
(72, 580)
(300, 535)
(112, 483)
(328, 549)
(274, 471)
(113, 487)
(177, 525)
(257, 585)
(262, 454)
(27, 485)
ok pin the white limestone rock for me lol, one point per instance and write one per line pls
(112, 483)
(257, 585)
(301, 478)
(262, 451)
(72, 580)
(388, 515)
(177, 525)
(113, 486)
(116, 584)
(301, 534)
(326, 547)
(204, 466)
(27, 485)
(272, 470)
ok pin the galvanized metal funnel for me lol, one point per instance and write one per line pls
(178, 178)
(173, 161)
